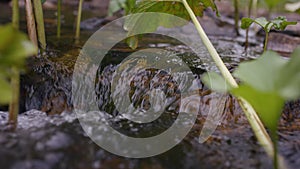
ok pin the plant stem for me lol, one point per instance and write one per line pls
(274, 137)
(15, 14)
(38, 12)
(236, 16)
(14, 104)
(77, 35)
(31, 27)
(255, 122)
(247, 31)
(266, 41)
(15, 78)
(254, 4)
(211, 49)
(58, 18)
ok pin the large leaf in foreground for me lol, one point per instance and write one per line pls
(266, 83)
(169, 7)
(149, 23)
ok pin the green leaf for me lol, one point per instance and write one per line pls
(279, 23)
(262, 73)
(115, 5)
(5, 90)
(132, 42)
(14, 47)
(170, 7)
(266, 83)
(147, 23)
(246, 23)
(261, 21)
(272, 73)
(289, 82)
(268, 105)
(215, 82)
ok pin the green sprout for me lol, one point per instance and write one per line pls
(279, 23)
(30, 19)
(14, 49)
(39, 18)
(236, 16)
(77, 34)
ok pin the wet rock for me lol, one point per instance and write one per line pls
(282, 43)
(92, 23)
(32, 118)
(58, 141)
(31, 164)
(46, 87)
(56, 103)
(3, 118)
(53, 158)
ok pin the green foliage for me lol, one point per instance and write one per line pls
(265, 83)
(216, 82)
(115, 5)
(279, 23)
(169, 7)
(174, 7)
(14, 48)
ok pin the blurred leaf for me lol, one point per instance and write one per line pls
(263, 73)
(115, 5)
(173, 8)
(5, 90)
(247, 22)
(14, 47)
(268, 105)
(132, 42)
(215, 82)
(289, 82)
(149, 23)
(273, 74)
(280, 23)
(266, 83)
